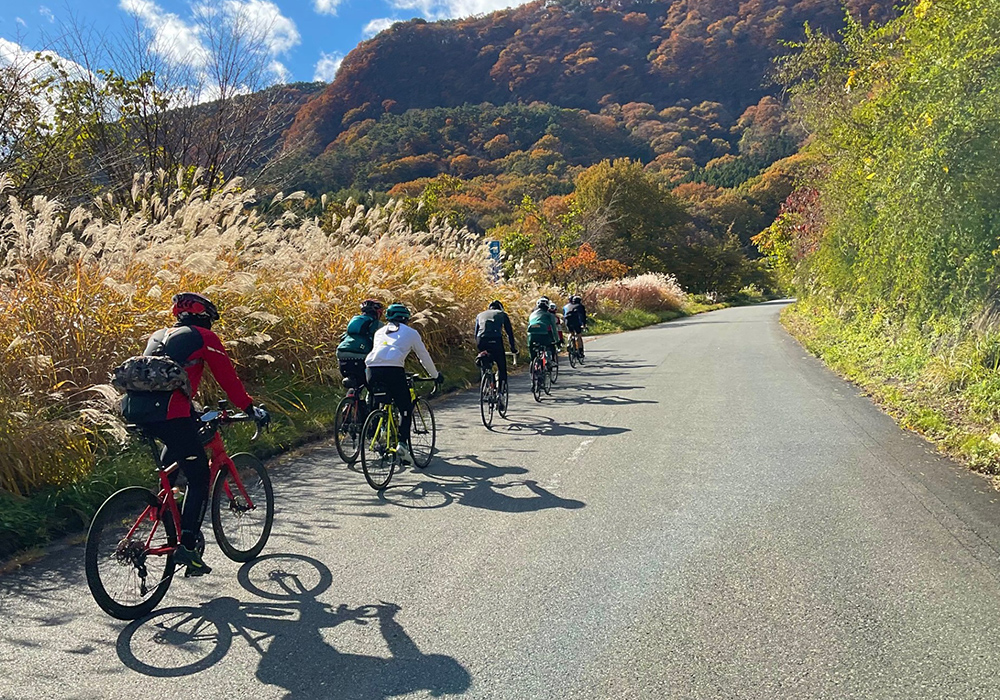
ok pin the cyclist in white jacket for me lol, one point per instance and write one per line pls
(385, 369)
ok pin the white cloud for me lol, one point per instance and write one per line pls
(46, 13)
(378, 25)
(21, 21)
(182, 42)
(264, 20)
(13, 54)
(327, 7)
(327, 66)
(453, 9)
(176, 40)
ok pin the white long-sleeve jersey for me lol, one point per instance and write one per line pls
(394, 343)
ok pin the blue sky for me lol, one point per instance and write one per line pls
(306, 38)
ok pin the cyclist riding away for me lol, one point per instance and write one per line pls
(357, 341)
(393, 344)
(554, 310)
(575, 314)
(169, 416)
(490, 327)
(542, 332)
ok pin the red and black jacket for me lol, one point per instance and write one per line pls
(192, 347)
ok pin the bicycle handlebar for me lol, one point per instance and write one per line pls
(224, 417)
(416, 378)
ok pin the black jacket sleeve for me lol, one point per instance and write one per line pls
(509, 329)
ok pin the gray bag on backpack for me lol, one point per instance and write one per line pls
(151, 373)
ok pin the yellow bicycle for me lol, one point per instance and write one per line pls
(380, 436)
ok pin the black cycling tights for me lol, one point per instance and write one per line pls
(181, 443)
(392, 381)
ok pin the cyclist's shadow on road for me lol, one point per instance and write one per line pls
(288, 633)
(471, 481)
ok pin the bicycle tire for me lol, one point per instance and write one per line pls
(537, 379)
(242, 532)
(547, 380)
(106, 545)
(503, 399)
(572, 357)
(347, 429)
(378, 456)
(555, 367)
(423, 434)
(487, 399)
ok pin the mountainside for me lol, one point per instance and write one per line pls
(580, 54)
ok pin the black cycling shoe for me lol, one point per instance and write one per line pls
(192, 559)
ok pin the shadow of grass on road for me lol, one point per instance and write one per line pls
(287, 631)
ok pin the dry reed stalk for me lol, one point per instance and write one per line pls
(80, 291)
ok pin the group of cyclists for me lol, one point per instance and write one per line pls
(160, 384)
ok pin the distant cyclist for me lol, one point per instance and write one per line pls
(393, 344)
(575, 314)
(490, 328)
(554, 310)
(542, 332)
(357, 341)
(169, 417)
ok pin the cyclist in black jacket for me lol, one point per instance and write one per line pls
(490, 328)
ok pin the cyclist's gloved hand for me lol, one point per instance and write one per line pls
(261, 416)
(440, 378)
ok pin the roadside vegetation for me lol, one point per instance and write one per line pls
(891, 243)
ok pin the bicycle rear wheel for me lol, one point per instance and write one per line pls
(378, 450)
(423, 434)
(347, 424)
(487, 399)
(572, 357)
(555, 366)
(537, 379)
(125, 578)
(242, 526)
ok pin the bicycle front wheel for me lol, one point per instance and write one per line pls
(487, 399)
(503, 398)
(242, 517)
(347, 424)
(555, 367)
(129, 557)
(423, 434)
(378, 450)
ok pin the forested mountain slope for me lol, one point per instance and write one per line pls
(571, 53)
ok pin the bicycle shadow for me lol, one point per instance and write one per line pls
(543, 425)
(475, 485)
(287, 631)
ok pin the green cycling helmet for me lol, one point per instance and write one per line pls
(397, 313)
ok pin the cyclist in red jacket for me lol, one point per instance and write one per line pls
(168, 416)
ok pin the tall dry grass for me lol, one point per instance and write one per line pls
(649, 292)
(80, 290)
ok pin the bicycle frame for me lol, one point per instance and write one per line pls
(218, 460)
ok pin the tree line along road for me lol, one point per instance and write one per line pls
(702, 511)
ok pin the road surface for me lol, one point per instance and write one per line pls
(703, 511)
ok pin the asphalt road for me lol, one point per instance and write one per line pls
(701, 512)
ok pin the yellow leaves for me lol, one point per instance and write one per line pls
(851, 80)
(921, 9)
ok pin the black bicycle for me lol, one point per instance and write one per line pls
(349, 420)
(492, 396)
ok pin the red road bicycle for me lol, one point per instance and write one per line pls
(131, 543)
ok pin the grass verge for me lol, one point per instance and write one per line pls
(941, 380)
(632, 319)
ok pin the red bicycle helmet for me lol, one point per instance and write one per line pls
(188, 305)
